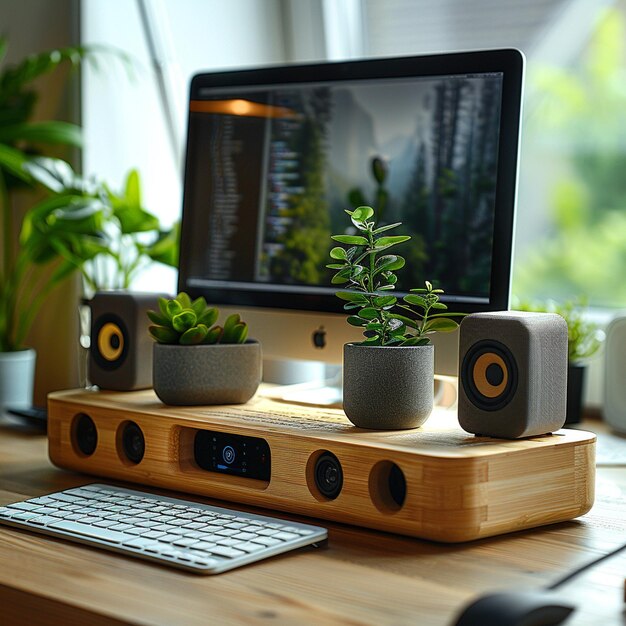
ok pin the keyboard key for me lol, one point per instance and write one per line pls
(105, 534)
(185, 542)
(25, 506)
(244, 536)
(43, 520)
(267, 541)
(250, 548)
(202, 545)
(229, 553)
(140, 542)
(285, 536)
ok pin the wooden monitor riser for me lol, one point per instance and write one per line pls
(458, 487)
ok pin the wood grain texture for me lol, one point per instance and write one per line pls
(363, 577)
(459, 487)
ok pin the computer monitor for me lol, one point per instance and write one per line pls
(275, 155)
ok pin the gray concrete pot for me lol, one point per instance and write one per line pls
(17, 376)
(388, 387)
(206, 374)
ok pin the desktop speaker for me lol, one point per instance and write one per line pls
(120, 355)
(615, 374)
(512, 374)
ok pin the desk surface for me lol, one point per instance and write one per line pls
(362, 577)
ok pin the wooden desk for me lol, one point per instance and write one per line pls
(362, 577)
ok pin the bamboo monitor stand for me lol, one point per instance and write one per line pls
(457, 487)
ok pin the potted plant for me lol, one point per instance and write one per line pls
(198, 362)
(583, 341)
(31, 267)
(388, 377)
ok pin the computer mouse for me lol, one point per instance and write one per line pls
(515, 608)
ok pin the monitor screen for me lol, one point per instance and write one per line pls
(275, 156)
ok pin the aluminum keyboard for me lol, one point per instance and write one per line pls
(197, 537)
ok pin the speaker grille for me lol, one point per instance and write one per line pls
(489, 374)
(110, 348)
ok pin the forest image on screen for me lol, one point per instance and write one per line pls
(422, 152)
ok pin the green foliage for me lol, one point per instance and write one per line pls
(186, 322)
(581, 115)
(367, 270)
(79, 223)
(584, 338)
(65, 221)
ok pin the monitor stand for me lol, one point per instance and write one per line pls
(325, 387)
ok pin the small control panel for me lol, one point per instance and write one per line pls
(233, 454)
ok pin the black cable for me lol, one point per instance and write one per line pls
(584, 568)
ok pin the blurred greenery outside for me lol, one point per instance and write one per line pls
(578, 118)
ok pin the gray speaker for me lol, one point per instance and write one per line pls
(615, 375)
(120, 354)
(512, 373)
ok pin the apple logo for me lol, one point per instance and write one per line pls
(319, 337)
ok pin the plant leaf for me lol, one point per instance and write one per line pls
(351, 296)
(441, 325)
(415, 299)
(353, 320)
(368, 313)
(389, 262)
(194, 335)
(158, 319)
(338, 253)
(382, 229)
(184, 320)
(385, 301)
(387, 242)
(163, 334)
(52, 132)
(353, 240)
(361, 213)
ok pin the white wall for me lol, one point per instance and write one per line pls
(123, 119)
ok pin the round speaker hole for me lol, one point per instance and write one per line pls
(387, 486)
(131, 443)
(328, 475)
(84, 435)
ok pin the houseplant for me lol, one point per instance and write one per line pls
(74, 227)
(30, 267)
(388, 378)
(584, 339)
(198, 362)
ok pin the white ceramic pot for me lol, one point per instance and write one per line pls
(17, 377)
(388, 387)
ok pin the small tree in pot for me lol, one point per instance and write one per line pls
(198, 362)
(388, 378)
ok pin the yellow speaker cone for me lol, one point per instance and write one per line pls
(110, 341)
(494, 363)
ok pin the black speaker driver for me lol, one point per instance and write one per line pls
(133, 442)
(489, 375)
(328, 475)
(109, 341)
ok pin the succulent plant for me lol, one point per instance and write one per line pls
(186, 322)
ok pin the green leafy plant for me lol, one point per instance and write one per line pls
(186, 322)
(66, 219)
(79, 222)
(584, 337)
(367, 269)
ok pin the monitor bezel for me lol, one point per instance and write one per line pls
(509, 62)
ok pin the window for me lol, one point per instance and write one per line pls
(571, 225)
